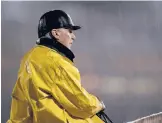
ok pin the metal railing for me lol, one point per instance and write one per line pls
(154, 118)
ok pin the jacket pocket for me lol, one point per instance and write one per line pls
(49, 112)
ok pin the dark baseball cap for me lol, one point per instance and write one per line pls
(53, 20)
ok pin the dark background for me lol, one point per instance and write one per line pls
(118, 51)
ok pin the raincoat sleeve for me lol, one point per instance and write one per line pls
(69, 93)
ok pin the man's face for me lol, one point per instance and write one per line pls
(64, 36)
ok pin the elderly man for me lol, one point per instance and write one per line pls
(48, 88)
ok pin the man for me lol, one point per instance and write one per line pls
(48, 88)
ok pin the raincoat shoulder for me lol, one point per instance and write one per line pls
(48, 90)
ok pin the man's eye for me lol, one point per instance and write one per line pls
(70, 31)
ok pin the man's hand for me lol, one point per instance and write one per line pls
(103, 106)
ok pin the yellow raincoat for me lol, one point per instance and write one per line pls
(48, 90)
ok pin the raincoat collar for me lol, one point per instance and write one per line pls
(53, 44)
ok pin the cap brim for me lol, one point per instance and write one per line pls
(75, 27)
(72, 27)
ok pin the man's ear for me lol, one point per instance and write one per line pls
(55, 33)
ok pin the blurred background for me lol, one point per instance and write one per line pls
(118, 51)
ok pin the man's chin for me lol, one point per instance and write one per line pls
(69, 47)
